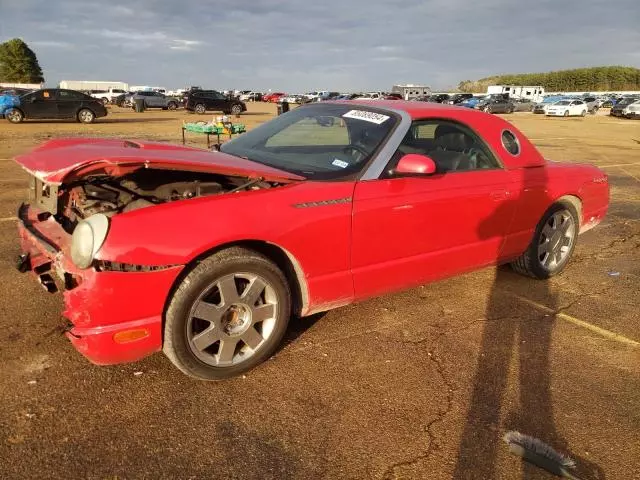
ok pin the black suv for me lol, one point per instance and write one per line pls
(200, 101)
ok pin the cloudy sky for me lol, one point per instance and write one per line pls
(301, 45)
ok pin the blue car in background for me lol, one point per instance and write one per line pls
(470, 102)
(7, 101)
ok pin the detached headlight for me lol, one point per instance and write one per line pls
(87, 238)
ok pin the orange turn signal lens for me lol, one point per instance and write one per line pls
(127, 336)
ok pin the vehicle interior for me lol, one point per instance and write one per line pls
(452, 147)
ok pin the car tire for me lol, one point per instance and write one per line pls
(547, 255)
(566, 113)
(86, 116)
(200, 109)
(583, 113)
(234, 272)
(172, 106)
(486, 109)
(236, 109)
(14, 115)
(104, 101)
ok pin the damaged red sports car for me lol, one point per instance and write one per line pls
(206, 255)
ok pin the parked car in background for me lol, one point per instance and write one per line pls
(618, 109)
(207, 255)
(459, 98)
(567, 108)
(201, 101)
(272, 97)
(496, 105)
(470, 102)
(56, 103)
(250, 96)
(593, 104)
(107, 96)
(541, 107)
(631, 110)
(370, 96)
(439, 98)
(155, 100)
(522, 105)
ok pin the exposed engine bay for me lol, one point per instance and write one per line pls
(144, 187)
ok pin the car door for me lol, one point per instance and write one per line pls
(218, 101)
(40, 104)
(409, 230)
(69, 102)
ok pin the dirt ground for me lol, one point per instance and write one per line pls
(417, 385)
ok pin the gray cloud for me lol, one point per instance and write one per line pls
(295, 46)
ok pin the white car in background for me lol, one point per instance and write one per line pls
(567, 108)
(632, 110)
(371, 96)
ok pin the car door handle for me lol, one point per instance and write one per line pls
(498, 195)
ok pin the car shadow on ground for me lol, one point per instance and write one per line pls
(515, 332)
(297, 327)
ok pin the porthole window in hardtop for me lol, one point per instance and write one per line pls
(510, 142)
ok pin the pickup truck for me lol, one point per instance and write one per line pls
(107, 96)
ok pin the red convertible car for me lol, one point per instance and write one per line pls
(207, 254)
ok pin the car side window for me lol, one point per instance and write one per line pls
(70, 95)
(452, 146)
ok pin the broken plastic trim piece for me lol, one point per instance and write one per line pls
(107, 266)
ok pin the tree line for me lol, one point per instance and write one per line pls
(592, 79)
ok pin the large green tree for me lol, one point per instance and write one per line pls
(18, 63)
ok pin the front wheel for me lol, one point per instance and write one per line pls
(552, 244)
(236, 109)
(200, 109)
(566, 113)
(228, 315)
(86, 116)
(172, 106)
(14, 115)
(583, 113)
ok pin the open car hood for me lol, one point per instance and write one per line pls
(59, 159)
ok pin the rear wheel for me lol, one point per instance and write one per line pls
(566, 113)
(104, 101)
(172, 106)
(200, 109)
(228, 315)
(552, 244)
(86, 116)
(14, 115)
(583, 113)
(236, 109)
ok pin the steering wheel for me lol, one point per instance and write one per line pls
(363, 153)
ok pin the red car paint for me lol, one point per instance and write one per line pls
(273, 97)
(376, 236)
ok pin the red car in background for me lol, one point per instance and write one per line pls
(206, 255)
(273, 97)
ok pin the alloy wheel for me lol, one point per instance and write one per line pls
(556, 240)
(232, 319)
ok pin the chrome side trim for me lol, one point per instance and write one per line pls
(376, 167)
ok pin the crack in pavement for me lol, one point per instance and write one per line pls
(432, 440)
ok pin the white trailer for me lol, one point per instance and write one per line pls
(535, 93)
(87, 85)
(411, 91)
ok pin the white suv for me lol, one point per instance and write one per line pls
(108, 96)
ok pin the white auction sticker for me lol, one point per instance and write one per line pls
(372, 117)
(340, 163)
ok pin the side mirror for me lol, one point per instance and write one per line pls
(415, 164)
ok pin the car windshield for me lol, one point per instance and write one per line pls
(626, 101)
(323, 141)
